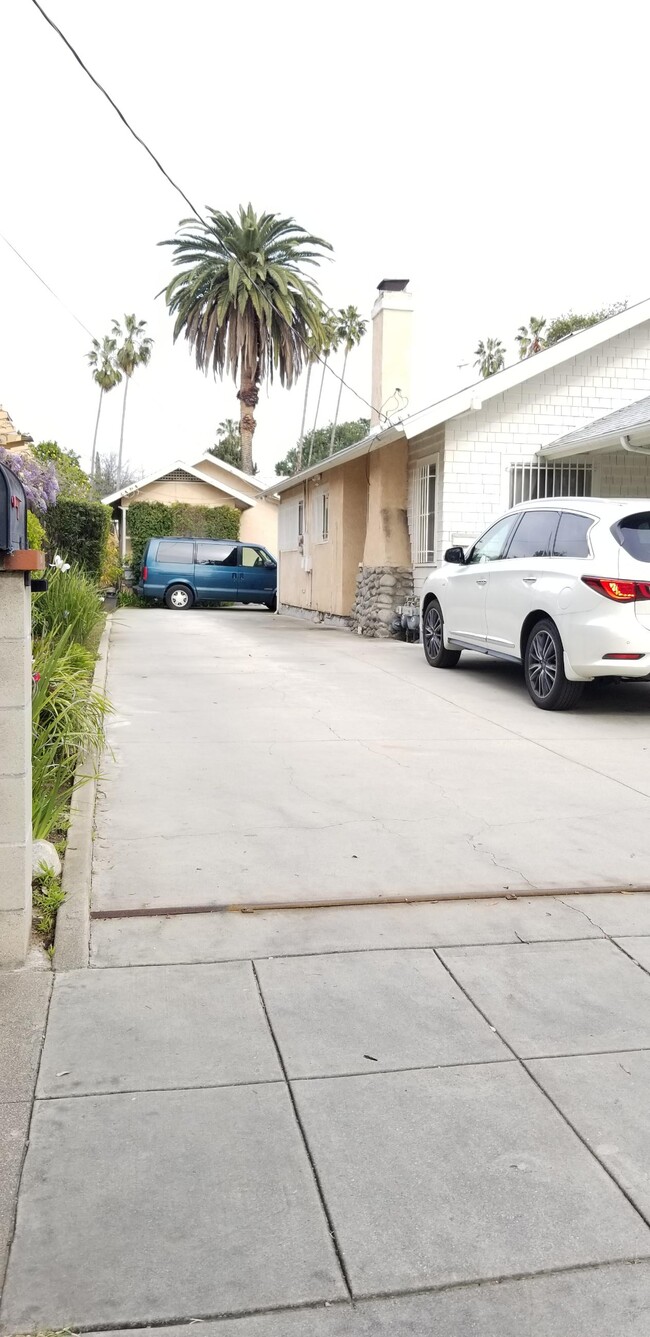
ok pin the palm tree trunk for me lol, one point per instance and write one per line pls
(304, 415)
(338, 402)
(119, 458)
(248, 396)
(92, 457)
(313, 430)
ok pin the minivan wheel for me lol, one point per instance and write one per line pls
(433, 639)
(273, 605)
(546, 680)
(179, 597)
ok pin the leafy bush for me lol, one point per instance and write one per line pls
(47, 898)
(78, 530)
(67, 720)
(39, 480)
(71, 603)
(153, 519)
(74, 483)
(112, 569)
(35, 532)
(129, 599)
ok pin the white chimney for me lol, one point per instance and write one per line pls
(392, 317)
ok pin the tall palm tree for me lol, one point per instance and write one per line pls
(531, 337)
(490, 357)
(106, 374)
(312, 357)
(329, 342)
(134, 351)
(244, 302)
(351, 331)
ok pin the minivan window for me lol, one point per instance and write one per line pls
(571, 538)
(216, 554)
(533, 535)
(255, 557)
(633, 534)
(491, 544)
(171, 552)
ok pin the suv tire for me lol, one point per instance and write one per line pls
(179, 597)
(433, 638)
(547, 683)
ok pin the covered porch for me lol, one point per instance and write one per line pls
(612, 454)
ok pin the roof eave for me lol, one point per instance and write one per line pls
(373, 441)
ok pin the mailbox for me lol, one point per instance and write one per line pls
(13, 513)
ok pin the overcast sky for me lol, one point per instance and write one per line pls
(495, 155)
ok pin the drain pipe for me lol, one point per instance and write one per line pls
(634, 450)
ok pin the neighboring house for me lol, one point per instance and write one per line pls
(207, 481)
(360, 531)
(9, 437)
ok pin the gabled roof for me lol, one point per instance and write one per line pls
(473, 397)
(188, 469)
(255, 480)
(632, 422)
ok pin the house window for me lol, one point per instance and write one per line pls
(325, 517)
(424, 514)
(564, 478)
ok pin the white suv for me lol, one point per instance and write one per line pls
(560, 585)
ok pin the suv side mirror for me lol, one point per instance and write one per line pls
(456, 556)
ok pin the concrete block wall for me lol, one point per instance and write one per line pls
(480, 447)
(15, 768)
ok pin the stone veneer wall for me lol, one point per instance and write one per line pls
(380, 589)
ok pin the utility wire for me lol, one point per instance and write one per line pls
(45, 285)
(314, 356)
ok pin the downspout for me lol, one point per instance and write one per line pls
(634, 450)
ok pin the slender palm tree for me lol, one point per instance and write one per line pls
(106, 374)
(134, 350)
(329, 342)
(490, 357)
(531, 337)
(244, 302)
(351, 331)
(312, 356)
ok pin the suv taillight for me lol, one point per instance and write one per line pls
(619, 591)
(145, 573)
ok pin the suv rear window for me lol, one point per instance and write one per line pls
(633, 534)
(571, 538)
(172, 552)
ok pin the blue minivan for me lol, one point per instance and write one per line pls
(182, 571)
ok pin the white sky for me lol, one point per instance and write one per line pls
(496, 155)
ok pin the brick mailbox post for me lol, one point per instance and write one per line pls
(16, 564)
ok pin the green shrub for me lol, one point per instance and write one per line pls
(71, 602)
(112, 569)
(47, 898)
(78, 531)
(153, 519)
(74, 483)
(129, 599)
(67, 720)
(35, 532)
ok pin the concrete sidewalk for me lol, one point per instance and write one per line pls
(341, 1123)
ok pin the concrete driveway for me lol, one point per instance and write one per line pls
(261, 759)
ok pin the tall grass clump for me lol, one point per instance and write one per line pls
(72, 603)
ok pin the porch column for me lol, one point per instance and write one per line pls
(15, 767)
(122, 532)
(385, 577)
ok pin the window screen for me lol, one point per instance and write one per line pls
(176, 552)
(216, 554)
(571, 538)
(534, 535)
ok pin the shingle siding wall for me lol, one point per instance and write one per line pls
(480, 447)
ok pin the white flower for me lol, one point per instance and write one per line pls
(59, 563)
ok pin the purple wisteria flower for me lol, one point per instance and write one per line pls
(39, 480)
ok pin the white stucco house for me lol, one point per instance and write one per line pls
(204, 480)
(360, 531)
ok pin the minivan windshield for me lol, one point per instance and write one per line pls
(633, 534)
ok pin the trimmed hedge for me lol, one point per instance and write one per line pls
(78, 531)
(153, 519)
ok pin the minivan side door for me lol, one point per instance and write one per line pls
(258, 574)
(216, 570)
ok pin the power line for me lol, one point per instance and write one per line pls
(46, 285)
(314, 356)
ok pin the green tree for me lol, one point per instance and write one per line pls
(350, 332)
(74, 482)
(347, 434)
(531, 337)
(244, 302)
(134, 350)
(106, 374)
(227, 446)
(561, 326)
(490, 357)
